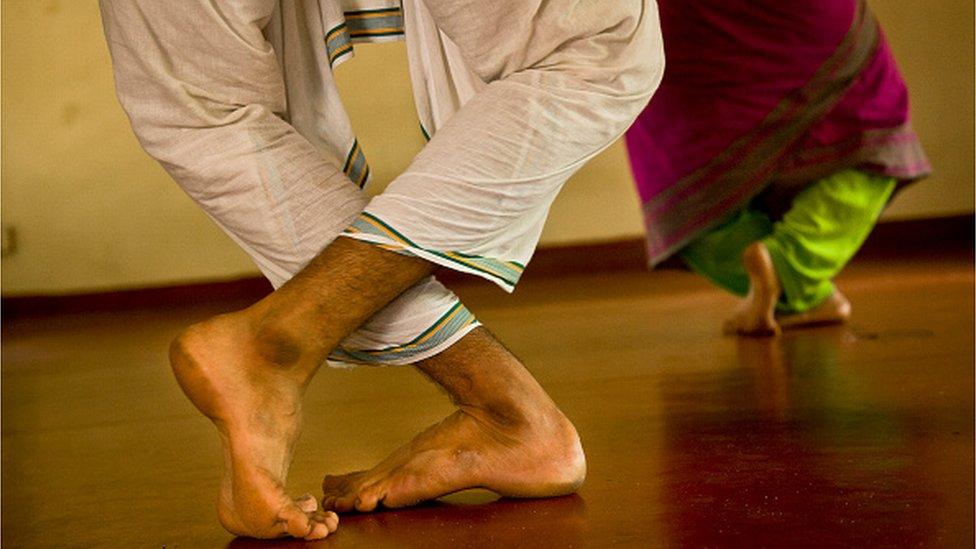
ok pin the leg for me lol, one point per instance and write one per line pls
(755, 314)
(247, 372)
(760, 314)
(507, 435)
(727, 257)
(282, 200)
(717, 254)
(792, 269)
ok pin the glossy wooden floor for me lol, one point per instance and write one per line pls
(857, 436)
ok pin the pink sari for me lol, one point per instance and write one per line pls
(764, 96)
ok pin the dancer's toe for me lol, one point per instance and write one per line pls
(307, 503)
(368, 500)
(307, 525)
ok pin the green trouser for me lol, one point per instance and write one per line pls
(825, 226)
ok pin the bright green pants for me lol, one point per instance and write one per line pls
(825, 226)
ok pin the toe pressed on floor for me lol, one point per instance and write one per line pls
(215, 368)
(836, 309)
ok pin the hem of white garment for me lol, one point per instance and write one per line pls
(433, 258)
(373, 230)
(411, 359)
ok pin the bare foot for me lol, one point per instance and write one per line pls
(756, 314)
(469, 449)
(256, 406)
(836, 309)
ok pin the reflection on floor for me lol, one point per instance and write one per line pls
(847, 436)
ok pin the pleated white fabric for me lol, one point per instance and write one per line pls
(236, 99)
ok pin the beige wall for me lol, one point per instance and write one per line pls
(91, 211)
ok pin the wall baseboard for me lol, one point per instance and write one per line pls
(914, 237)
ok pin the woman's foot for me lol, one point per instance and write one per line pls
(836, 309)
(755, 316)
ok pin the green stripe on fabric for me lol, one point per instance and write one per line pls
(426, 334)
(355, 167)
(379, 11)
(365, 24)
(337, 43)
(365, 178)
(374, 219)
(350, 155)
(433, 327)
(508, 272)
(514, 265)
(423, 130)
(489, 267)
(358, 169)
(365, 35)
(432, 337)
(375, 23)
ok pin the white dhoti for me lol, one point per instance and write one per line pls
(236, 100)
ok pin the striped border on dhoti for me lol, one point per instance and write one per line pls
(506, 273)
(355, 167)
(369, 24)
(456, 320)
(377, 25)
(338, 43)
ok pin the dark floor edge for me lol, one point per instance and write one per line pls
(916, 237)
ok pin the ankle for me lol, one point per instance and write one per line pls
(522, 417)
(281, 337)
(548, 436)
(276, 344)
(290, 335)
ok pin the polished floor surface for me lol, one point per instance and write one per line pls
(856, 436)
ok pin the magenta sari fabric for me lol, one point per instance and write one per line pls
(762, 95)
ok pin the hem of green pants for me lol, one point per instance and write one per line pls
(692, 262)
(794, 299)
